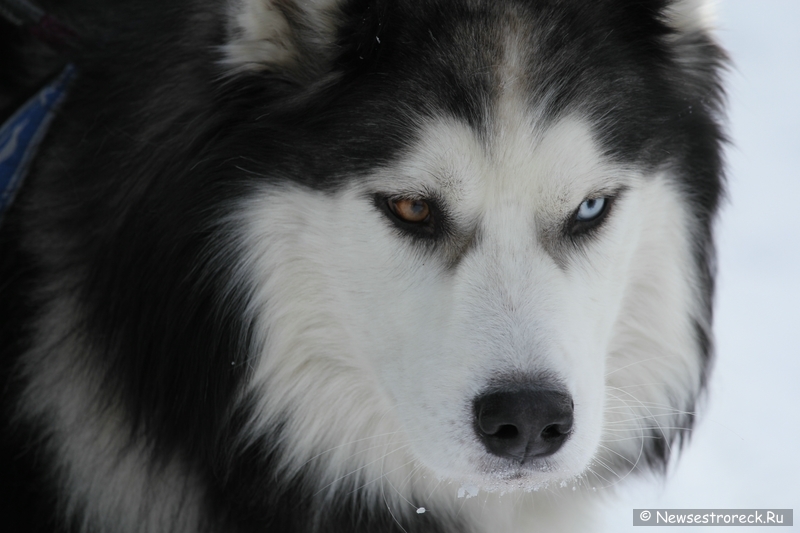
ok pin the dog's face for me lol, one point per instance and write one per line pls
(507, 304)
(443, 291)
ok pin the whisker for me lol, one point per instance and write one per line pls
(383, 474)
(334, 448)
(637, 362)
(615, 453)
(382, 458)
(666, 440)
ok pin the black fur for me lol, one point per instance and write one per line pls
(155, 145)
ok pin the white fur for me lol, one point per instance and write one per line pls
(263, 34)
(689, 16)
(103, 479)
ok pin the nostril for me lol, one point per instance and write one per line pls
(553, 431)
(491, 425)
(506, 431)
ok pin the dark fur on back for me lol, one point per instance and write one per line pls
(125, 209)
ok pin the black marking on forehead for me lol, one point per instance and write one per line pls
(436, 57)
(614, 61)
(650, 94)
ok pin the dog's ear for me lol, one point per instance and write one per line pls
(697, 54)
(690, 16)
(294, 39)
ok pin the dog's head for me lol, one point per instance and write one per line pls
(480, 245)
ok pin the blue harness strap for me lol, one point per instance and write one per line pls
(21, 135)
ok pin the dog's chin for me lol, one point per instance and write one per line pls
(493, 474)
(518, 479)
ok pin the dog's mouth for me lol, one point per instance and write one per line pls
(533, 475)
(529, 471)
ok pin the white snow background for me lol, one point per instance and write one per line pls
(745, 451)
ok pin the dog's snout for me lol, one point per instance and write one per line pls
(523, 424)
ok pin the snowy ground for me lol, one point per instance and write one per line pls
(746, 451)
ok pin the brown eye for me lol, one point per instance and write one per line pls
(411, 211)
(417, 217)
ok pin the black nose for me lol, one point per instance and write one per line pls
(523, 424)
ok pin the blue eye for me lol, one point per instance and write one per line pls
(591, 209)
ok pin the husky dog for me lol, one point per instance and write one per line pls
(361, 265)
